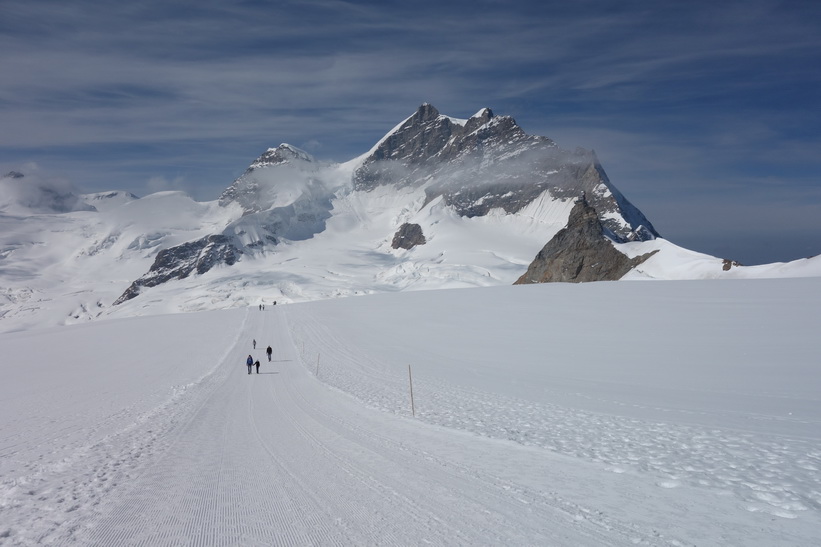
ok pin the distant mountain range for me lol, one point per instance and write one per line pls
(438, 202)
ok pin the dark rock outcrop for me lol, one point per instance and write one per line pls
(408, 236)
(580, 252)
(181, 261)
(112, 195)
(727, 264)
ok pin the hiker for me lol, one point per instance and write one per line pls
(249, 362)
(255, 343)
(257, 365)
(269, 351)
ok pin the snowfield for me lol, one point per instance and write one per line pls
(625, 413)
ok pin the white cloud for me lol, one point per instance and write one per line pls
(160, 183)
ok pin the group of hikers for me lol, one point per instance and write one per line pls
(250, 360)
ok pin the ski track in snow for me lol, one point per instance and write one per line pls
(278, 459)
(269, 460)
(775, 475)
(92, 469)
(321, 448)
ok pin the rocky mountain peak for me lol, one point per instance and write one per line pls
(414, 142)
(284, 153)
(579, 252)
(425, 113)
(257, 189)
(584, 216)
(488, 162)
(427, 140)
(478, 120)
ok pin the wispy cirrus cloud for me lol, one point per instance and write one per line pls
(124, 94)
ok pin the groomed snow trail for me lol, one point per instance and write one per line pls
(278, 458)
(148, 430)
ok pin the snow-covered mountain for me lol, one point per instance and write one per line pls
(438, 202)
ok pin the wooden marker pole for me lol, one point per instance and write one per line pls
(410, 381)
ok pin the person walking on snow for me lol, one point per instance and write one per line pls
(257, 365)
(269, 351)
(250, 363)
(255, 343)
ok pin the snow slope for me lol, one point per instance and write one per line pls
(666, 413)
(68, 268)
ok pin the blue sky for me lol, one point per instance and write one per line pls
(706, 115)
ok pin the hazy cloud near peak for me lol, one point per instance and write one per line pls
(34, 190)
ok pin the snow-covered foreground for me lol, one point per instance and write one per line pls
(661, 413)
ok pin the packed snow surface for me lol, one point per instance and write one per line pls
(627, 413)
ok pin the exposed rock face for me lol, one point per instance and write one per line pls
(580, 252)
(489, 162)
(408, 236)
(181, 261)
(100, 196)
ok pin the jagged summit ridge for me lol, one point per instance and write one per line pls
(417, 149)
(269, 177)
(284, 153)
(488, 162)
